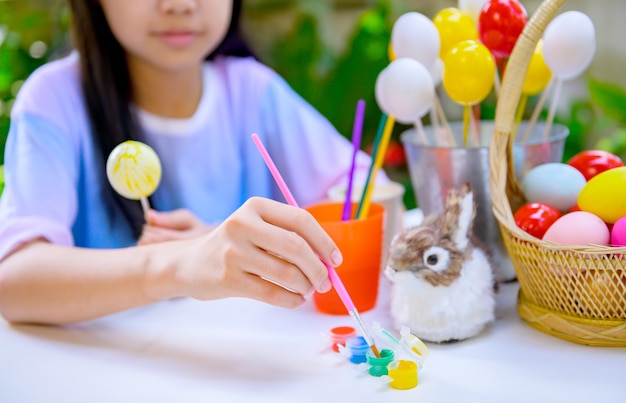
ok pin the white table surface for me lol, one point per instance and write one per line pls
(239, 350)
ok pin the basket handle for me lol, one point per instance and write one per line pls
(504, 188)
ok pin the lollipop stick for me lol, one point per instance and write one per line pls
(332, 273)
(434, 121)
(145, 205)
(444, 121)
(419, 127)
(535, 115)
(474, 130)
(466, 116)
(520, 113)
(500, 64)
(555, 100)
(356, 145)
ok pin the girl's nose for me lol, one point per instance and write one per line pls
(178, 6)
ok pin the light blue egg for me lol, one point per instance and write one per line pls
(555, 183)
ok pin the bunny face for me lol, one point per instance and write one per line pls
(426, 253)
(436, 250)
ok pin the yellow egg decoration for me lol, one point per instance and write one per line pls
(468, 72)
(605, 195)
(134, 170)
(454, 26)
(538, 75)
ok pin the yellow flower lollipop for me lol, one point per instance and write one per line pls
(134, 171)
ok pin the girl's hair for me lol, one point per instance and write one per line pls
(108, 94)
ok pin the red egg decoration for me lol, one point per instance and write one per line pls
(536, 218)
(500, 23)
(592, 162)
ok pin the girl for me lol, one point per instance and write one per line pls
(173, 74)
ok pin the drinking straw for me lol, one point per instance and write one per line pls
(357, 130)
(332, 273)
(377, 164)
(379, 135)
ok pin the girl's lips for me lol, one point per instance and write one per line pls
(178, 39)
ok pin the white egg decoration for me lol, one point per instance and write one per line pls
(436, 71)
(555, 183)
(415, 36)
(404, 89)
(472, 8)
(569, 44)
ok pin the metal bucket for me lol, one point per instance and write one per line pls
(436, 169)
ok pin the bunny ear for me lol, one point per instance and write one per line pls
(459, 215)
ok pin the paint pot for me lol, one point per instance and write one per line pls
(403, 374)
(339, 335)
(378, 366)
(358, 349)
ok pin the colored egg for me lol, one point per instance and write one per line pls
(578, 228)
(536, 218)
(554, 183)
(605, 195)
(592, 162)
(618, 233)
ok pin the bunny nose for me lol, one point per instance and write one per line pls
(178, 6)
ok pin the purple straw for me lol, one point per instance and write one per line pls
(356, 143)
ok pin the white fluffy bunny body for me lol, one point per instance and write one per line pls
(443, 284)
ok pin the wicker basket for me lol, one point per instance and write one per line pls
(577, 293)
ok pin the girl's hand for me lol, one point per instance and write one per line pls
(266, 250)
(170, 226)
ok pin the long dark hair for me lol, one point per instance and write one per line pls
(106, 86)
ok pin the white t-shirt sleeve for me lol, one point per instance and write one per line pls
(39, 200)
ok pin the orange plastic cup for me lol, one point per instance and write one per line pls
(361, 244)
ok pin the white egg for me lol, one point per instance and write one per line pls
(436, 71)
(472, 8)
(554, 183)
(415, 36)
(569, 44)
(405, 90)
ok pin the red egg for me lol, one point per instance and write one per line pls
(592, 162)
(536, 218)
(500, 23)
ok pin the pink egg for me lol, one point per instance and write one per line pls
(578, 228)
(618, 233)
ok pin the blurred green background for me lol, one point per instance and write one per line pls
(331, 53)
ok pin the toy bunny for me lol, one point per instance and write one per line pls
(442, 279)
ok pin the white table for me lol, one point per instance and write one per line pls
(239, 350)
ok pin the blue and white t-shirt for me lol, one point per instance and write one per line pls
(210, 164)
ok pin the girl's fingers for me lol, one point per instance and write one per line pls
(180, 219)
(292, 234)
(262, 290)
(272, 268)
